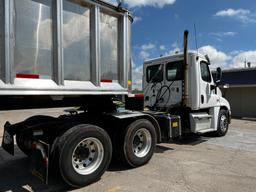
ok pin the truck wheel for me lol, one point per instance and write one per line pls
(222, 123)
(84, 154)
(139, 143)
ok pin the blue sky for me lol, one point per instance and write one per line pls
(225, 30)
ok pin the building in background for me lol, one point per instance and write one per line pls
(241, 91)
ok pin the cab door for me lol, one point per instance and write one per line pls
(173, 83)
(208, 91)
(152, 84)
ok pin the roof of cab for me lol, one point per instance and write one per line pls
(173, 57)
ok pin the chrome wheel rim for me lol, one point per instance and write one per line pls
(223, 123)
(142, 142)
(87, 156)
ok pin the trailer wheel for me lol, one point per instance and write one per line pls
(222, 123)
(139, 143)
(84, 154)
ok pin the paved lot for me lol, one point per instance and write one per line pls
(197, 164)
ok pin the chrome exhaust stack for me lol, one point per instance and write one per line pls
(185, 97)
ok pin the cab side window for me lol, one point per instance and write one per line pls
(154, 74)
(174, 71)
(205, 72)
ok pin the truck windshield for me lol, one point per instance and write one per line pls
(154, 74)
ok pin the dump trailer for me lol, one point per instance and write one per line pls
(61, 53)
(66, 53)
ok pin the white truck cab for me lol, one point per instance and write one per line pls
(163, 85)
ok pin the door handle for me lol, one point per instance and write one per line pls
(202, 99)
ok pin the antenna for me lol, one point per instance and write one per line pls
(196, 39)
(120, 3)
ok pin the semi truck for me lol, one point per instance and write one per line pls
(77, 53)
(183, 84)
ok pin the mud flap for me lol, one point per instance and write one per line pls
(39, 165)
(8, 139)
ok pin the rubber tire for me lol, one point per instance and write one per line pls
(219, 131)
(64, 149)
(127, 153)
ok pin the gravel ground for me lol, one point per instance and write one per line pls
(203, 163)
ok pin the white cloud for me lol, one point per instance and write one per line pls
(230, 33)
(114, 2)
(234, 59)
(154, 3)
(137, 19)
(172, 52)
(145, 50)
(142, 3)
(235, 52)
(218, 58)
(148, 46)
(243, 15)
(137, 75)
(162, 47)
(232, 12)
(247, 56)
(144, 55)
(224, 34)
(175, 45)
(175, 49)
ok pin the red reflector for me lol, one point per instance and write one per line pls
(45, 160)
(139, 95)
(29, 76)
(106, 81)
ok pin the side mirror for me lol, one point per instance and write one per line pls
(208, 59)
(218, 76)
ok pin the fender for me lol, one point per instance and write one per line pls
(224, 104)
(131, 115)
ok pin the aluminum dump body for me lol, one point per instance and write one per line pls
(64, 47)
